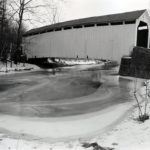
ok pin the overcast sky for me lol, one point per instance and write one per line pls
(86, 8)
(74, 9)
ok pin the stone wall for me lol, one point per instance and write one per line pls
(137, 65)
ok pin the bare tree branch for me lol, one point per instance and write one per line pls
(21, 11)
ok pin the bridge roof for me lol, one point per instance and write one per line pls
(127, 16)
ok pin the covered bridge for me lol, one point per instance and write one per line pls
(102, 37)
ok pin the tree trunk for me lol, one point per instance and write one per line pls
(19, 34)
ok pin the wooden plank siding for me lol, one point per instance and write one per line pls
(106, 42)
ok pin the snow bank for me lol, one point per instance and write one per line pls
(129, 135)
(16, 68)
(77, 61)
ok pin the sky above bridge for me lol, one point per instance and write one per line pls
(85, 8)
(74, 9)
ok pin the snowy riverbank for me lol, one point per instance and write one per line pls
(129, 135)
(16, 68)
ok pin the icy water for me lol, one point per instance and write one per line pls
(66, 93)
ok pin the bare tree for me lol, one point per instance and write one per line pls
(19, 8)
(26, 11)
(136, 98)
(143, 115)
(53, 10)
(2, 25)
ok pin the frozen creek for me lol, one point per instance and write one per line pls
(74, 103)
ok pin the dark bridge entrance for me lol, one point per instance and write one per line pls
(142, 35)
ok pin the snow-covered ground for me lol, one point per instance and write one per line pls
(129, 135)
(27, 67)
(77, 61)
(16, 68)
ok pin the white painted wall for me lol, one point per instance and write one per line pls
(107, 42)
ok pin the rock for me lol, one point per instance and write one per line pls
(114, 144)
(95, 146)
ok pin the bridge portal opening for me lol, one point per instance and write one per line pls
(142, 35)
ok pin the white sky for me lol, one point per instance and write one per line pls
(86, 8)
(74, 9)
